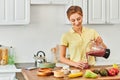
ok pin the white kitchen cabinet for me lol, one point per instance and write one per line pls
(7, 76)
(82, 4)
(113, 11)
(60, 1)
(40, 1)
(8, 72)
(14, 12)
(104, 11)
(49, 1)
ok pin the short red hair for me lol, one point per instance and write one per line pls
(74, 9)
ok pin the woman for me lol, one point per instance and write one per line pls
(76, 40)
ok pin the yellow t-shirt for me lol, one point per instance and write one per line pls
(77, 44)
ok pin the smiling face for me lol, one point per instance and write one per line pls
(75, 16)
(76, 19)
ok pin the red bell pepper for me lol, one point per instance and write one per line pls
(113, 71)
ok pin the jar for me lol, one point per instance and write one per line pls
(3, 56)
(66, 69)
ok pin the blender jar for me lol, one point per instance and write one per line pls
(97, 50)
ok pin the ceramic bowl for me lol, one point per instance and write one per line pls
(46, 65)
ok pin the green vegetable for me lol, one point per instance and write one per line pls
(103, 72)
(90, 74)
(96, 71)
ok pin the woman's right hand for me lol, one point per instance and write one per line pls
(81, 65)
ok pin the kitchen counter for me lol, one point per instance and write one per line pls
(32, 75)
(19, 75)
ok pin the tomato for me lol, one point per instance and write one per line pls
(113, 71)
(116, 70)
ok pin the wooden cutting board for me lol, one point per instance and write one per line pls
(32, 75)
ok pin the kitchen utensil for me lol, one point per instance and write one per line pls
(39, 58)
(98, 50)
(40, 61)
(55, 51)
(46, 65)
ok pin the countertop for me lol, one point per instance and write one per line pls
(32, 75)
(23, 66)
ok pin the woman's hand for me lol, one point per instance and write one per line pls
(100, 41)
(81, 65)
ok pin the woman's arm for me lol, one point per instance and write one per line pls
(63, 56)
(63, 59)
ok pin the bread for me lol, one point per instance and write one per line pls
(44, 72)
(58, 73)
(44, 69)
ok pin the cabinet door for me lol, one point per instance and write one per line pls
(14, 12)
(2, 11)
(5, 78)
(113, 11)
(83, 5)
(49, 1)
(97, 12)
(40, 1)
(66, 7)
(60, 1)
(7, 75)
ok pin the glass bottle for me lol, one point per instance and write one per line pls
(11, 59)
